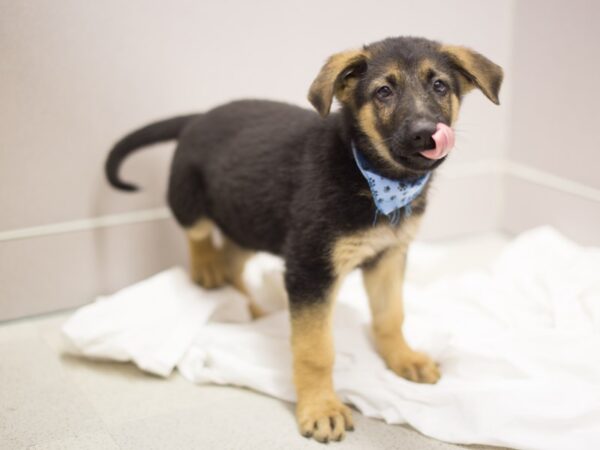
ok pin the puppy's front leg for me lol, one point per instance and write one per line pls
(384, 279)
(319, 412)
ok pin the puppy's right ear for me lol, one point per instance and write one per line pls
(336, 78)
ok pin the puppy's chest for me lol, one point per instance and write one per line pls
(352, 250)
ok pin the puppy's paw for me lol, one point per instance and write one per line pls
(255, 311)
(323, 417)
(414, 366)
(209, 274)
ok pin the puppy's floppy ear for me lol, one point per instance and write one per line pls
(477, 71)
(335, 78)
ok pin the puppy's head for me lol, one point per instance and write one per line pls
(396, 92)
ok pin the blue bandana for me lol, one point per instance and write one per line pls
(390, 196)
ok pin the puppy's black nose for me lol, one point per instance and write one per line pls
(419, 136)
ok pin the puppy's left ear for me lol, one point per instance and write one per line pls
(477, 71)
(336, 78)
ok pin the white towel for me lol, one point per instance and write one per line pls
(518, 344)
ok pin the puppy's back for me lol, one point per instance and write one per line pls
(247, 154)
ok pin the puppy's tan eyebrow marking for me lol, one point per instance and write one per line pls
(393, 72)
(427, 71)
(377, 83)
(424, 68)
(392, 76)
(392, 79)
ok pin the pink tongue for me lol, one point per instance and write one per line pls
(444, 141)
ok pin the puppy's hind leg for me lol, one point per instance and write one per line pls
(213, 264)
(186, 200)
(235, 261)
(208, 265)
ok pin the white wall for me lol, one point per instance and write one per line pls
(553, 173)
(77, 75)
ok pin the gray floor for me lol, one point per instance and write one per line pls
(50, 400)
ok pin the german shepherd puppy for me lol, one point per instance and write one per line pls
(278, 178)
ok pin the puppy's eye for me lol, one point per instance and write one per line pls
(440, 87)
(383, 92)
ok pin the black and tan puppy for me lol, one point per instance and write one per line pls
(282, 179)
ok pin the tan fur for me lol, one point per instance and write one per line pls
(367, 120)
(213, 266)
(482, 73)
(319, 411)
(200, 230)
(206, 268)
(351, 251)
(394, 71)
(446, 105)
(459, 53)
(451, 103)
(383, 283)
(328, 83)
(428, 66)
(454, 108)
(425, 66)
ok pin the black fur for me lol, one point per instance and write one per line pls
(279, 178)
(165, 130)
(273, 177)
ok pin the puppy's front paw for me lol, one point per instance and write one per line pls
(414, 366)
(323, 417)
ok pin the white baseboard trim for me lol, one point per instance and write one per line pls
(524, 172)
(456, 171)
(550, 180)
(111, 220)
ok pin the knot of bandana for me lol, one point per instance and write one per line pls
(390, 196)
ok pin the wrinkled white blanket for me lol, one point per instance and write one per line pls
(518, 344)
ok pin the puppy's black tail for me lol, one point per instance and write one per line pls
(164, 130)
